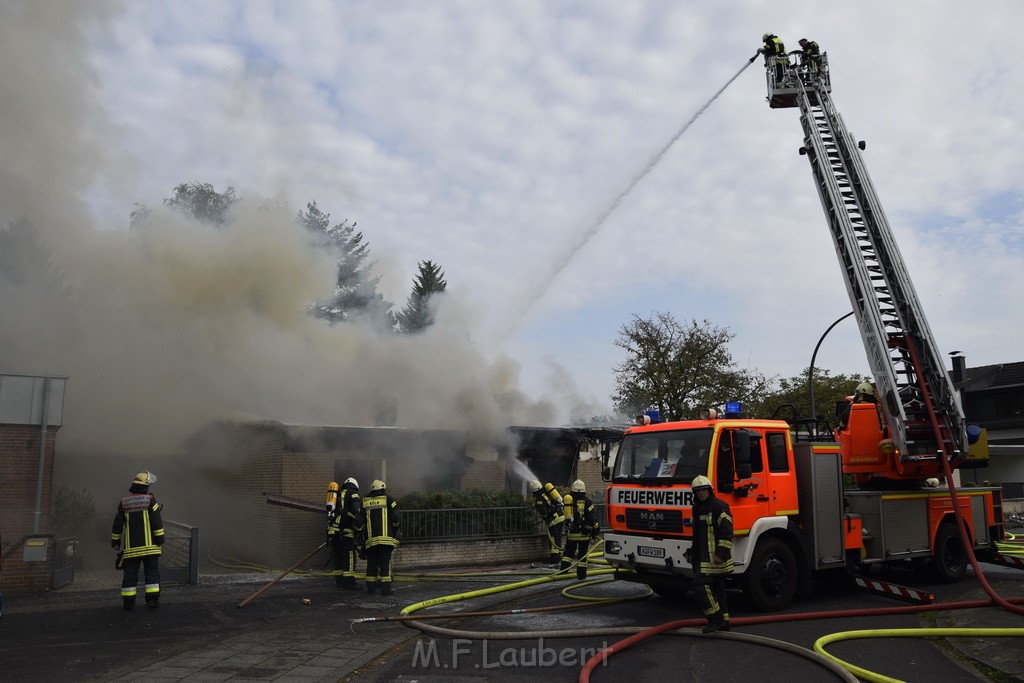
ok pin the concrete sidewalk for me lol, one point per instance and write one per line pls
(80, 632)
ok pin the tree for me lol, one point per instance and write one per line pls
(828, 389)
(417, 314)
(678, 369)
(355, 293)
(200, 202)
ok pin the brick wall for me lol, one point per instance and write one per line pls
(590, 472)
(19, 576)
(484, 474)
(19, 467)
(455, 554)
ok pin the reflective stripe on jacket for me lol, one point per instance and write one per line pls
(137, 525)
(583, 524)
(349, 518)
(380, 519)
(712, 535)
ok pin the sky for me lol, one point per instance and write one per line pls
(497, 140)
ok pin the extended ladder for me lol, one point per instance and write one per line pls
(920, 403)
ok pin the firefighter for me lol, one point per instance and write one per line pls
(344, 532)
(864, 393)
(137, 534)
(548, 504)
(810, 56)
(582, 527)
(774, 52)
(711, 553)
(380, 521)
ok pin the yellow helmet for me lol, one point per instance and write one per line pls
(700, 482)
(578, 486)
(865, 388)
(145, 478)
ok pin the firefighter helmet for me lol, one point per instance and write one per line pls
(378, 486)
(767, 36)
(700, 482)
(534, 486)
(351, 481)
(145, 478)
(865, 388)
(578, 486)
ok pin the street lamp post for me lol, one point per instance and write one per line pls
(810, 370)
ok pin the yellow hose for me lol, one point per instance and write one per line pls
(558, 576)
(820, 643)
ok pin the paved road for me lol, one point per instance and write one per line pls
(80, 633)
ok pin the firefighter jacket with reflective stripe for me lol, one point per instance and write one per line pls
(583, 523)
(774, 47)
(348, 520)
(137, 525)
(712, 530)
(380, 519)
(550, 512)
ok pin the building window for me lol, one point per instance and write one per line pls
(1009, 405)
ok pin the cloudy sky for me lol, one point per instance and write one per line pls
(492, 138)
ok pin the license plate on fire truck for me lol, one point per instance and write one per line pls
(647, 551)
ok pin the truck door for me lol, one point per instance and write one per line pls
(738, 461)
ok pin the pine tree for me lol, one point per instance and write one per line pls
(200, 202)
(417, 314)
(355, 293)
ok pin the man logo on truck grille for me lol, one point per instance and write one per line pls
(652, 518)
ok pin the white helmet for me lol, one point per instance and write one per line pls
(377, 485)
(534, 486)
(578, 486)
(351, 481)
(700, 482)
(145, 478)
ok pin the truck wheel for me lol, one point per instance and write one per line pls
(770, 582)
(949, 559)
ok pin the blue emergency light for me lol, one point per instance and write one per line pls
(733, 408)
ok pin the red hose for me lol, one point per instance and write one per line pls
(627, 643)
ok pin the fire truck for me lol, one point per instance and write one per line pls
(809, 500)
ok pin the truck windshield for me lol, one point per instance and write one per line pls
(669, 456)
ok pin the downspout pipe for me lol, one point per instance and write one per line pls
(43, 426)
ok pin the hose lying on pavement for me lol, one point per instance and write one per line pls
(819, 645)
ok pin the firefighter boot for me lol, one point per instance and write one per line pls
(371, 587)
(581, 573)
(152, 600)
(129, 602)
(349, 584)
(385, 588)
(717, 625)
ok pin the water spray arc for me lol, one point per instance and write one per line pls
(543, 284)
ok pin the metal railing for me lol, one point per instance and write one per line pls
(422, 525)
(63, 561)
(179, 555)
(468, 523)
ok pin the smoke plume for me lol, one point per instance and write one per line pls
(163, 328)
